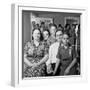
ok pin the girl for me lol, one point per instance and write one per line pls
(67, 57)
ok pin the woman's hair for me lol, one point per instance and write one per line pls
(66, 34)
(47, 31)
(67, 26)
(41, 37)
(60, 27)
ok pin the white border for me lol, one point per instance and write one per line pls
(16, 67)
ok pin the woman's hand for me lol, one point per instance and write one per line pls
(67, 71)
(34, 65)
(27, 62)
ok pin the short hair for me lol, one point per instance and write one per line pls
(47, 31)
(66, 34)
(42, 23)
(54, 25)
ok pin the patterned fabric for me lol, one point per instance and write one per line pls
(34, 55)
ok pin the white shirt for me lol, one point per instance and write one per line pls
(53, 50)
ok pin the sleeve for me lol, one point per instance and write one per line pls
(46, 49)
(26, 47)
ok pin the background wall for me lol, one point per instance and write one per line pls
(26, 26)
(5, 44)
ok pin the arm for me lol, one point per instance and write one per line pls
(72, 64)
(49, 57)
(58, 56)
(44, 59)
(48, 63)
(56, 66)
(74, 56)
(27, 62)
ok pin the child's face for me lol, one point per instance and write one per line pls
(53, 30)
(65, 39)
(45, 35)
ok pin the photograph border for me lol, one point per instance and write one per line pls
(16, 43)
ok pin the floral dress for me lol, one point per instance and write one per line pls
(35, 55)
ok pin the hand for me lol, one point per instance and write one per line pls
(49, 69)
(66, 71)
(34, 65)
(54, 72)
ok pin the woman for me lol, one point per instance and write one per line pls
(46, 35)
(67, 56)
(36, 54)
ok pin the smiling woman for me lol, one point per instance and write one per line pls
(35, 57)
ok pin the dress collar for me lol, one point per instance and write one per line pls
(35, 45)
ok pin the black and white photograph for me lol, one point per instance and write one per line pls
(47, 44)
(50, 44)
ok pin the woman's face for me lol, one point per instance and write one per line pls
(45, 35)
(36, 34)
(65, 39)
(52, 30)
(59, 36)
